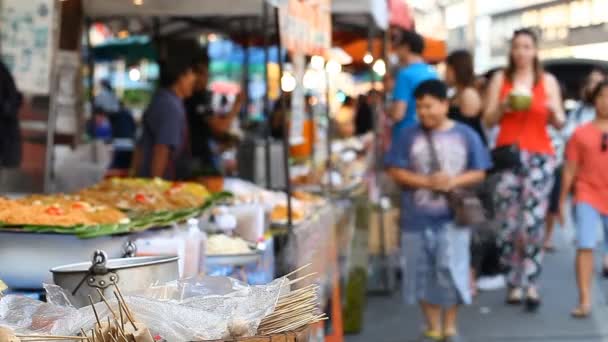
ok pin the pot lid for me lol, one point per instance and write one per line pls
(116, 264)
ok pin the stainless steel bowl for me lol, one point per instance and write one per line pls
(84, 279)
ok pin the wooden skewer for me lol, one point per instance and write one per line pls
(85, 335)
(128, 315)
(297, 270)
(120, 309)
(127, 310)
(94, 311)
(291, 282)
(100, 333)
(49, 337)
(103, 298)
(118, 326)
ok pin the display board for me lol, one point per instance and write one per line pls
(305, 26)
(27, 42)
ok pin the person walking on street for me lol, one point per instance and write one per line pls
(466, 108)
(465, 104)
(583, 113)
(523, 100)
(585, 170)
(409, 47)
(431, 159)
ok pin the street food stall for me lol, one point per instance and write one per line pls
(302, 234)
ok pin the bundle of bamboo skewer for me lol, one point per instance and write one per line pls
(295, 309)
(121, 327)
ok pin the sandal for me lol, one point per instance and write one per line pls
(581, 312)
(533, 301)
(515, 296)
(432, 336)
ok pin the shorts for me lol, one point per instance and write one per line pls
(588, 220)
(555, 191)
(436, 266)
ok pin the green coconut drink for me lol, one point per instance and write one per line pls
(520, 99)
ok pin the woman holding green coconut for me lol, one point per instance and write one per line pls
(522, 101)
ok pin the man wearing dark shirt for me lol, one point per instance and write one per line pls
(162, 146)
(209, 131)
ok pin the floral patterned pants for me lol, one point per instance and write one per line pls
(522, 197)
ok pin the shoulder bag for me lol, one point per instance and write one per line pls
(464, 203)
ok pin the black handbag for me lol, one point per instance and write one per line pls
(465, 203)
(506, 158)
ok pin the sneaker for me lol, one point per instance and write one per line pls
(491, 283)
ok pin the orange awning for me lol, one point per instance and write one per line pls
(435, 50)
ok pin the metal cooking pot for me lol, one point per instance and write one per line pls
(84, 279)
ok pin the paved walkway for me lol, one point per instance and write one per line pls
(387, 320)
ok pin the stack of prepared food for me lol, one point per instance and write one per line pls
(113, 206)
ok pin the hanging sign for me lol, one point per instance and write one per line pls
(27, 41)
(305, 26)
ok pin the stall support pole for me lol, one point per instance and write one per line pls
(328, 163)
(286, 121)
(245, 76)
(90, 62)
(266, 129)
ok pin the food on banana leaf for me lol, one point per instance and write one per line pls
(138, 194)
(57, 210)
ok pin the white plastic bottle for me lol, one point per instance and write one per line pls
(192, 246)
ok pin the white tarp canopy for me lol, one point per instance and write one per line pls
(194, 8)
(217, 8)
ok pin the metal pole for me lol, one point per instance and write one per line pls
(90, 61)
(245, 76)
(286, 120)
(266, 128)
(328, 163)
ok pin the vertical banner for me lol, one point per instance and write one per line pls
(306, 26)
(27, 42)
(298, 106)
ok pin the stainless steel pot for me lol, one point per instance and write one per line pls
(84, 279)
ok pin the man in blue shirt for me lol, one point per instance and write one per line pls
(409, 47)
(162, 147)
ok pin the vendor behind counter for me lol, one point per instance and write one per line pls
(209, 126)
(163, 148)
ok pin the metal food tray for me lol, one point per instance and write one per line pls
(233, 259)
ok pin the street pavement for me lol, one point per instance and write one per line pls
(488, 319)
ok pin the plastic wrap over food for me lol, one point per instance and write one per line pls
(312, 243)
(26, 315)
(207, 308)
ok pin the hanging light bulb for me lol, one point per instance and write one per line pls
(138, 2)
(368, 58)
(134, 74)
(333, 67)
(379, 68)
(317, 62)
(288, 82)
(311, 79)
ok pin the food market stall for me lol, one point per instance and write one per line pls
(116, 211)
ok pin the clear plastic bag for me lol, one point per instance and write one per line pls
(194, 309)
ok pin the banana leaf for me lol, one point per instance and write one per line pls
(138, 221)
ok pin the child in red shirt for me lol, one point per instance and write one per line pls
(586, 165)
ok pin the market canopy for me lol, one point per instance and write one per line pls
(133, 49)
(97, 9)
